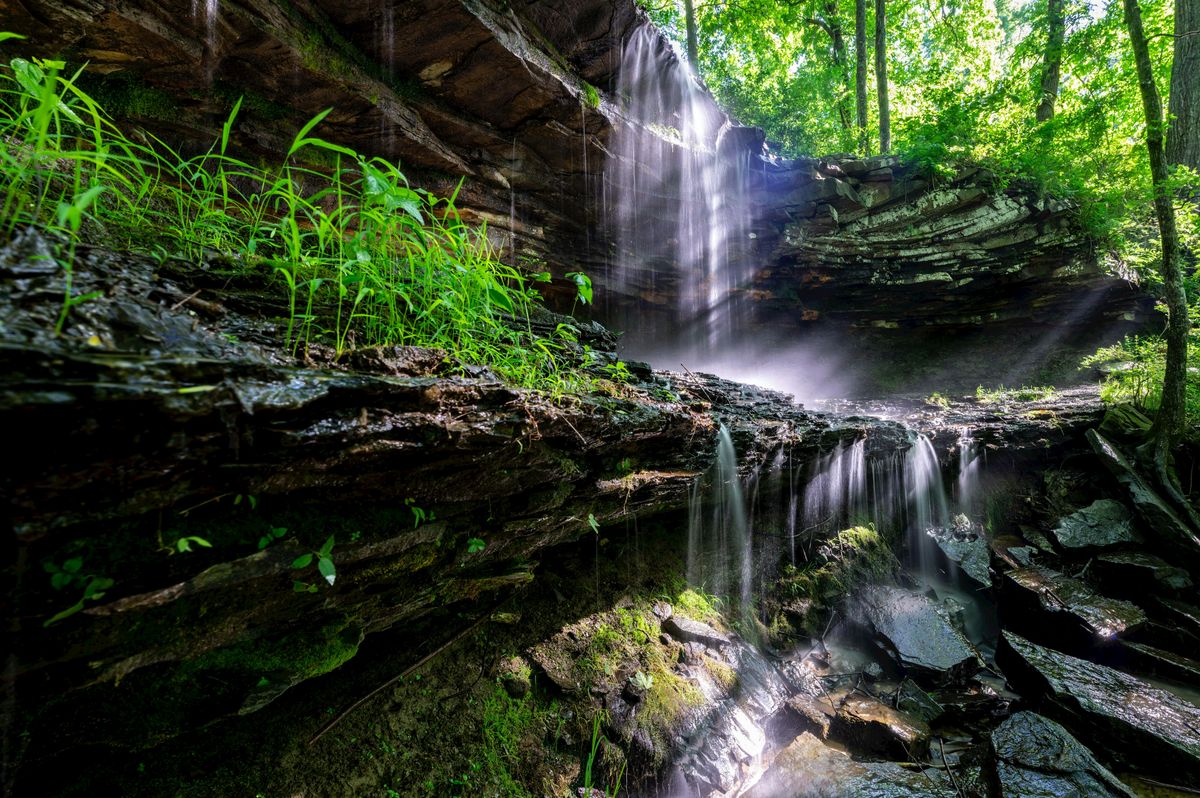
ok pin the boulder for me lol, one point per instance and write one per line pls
(1132, 721)
(1136, 573)
(689, 631)
(1164, 663)
(1102, 524)
(810, 769)
(917, 632)
(1051, 603)
(1038, 758)
(964, 544)
(866, 725)
(1155, 511)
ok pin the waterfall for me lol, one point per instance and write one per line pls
(678, 213)
(969, 463)
(721, 548)
(836, 494)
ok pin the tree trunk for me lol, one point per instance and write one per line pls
(828, 22)
(860, 74)
(885, 122)
(1169, 423)
(693, 54)
(1055, 25)
(1183, 134)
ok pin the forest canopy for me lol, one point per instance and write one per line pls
(965, 80)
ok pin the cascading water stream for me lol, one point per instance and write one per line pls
(678, 213)
(723, 547)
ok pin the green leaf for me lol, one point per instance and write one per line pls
(6, 35)
(475, 545)
(67, 613)
(303, 561)
(302, 587)
(60, 580)
(327, 569)
(73, 565)
(583, 286)
(29, 75)
(328, 547)
(499, 297)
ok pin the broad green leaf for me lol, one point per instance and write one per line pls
(327, 569)
(303, 561)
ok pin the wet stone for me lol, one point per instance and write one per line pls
(808, 768)
(1159, 515)
(690, 631)
(918, 632)
(1134, 573)
(1102, 524)
(915, 702)
(1165, 663)
(1056, 595)
(964, 544)
(867, 725)
(1130, 719)
(1038, 758)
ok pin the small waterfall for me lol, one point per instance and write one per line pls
(678, 214)
(722, 548)
(969, 466)
(928, 507)
(777, 513)
(836, 494)
(207, 13)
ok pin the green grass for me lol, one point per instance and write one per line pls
(358, 256)
(1133, 371)
(1026, 393)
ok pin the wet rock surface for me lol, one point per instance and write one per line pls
(1038, 758)
(1134, 574)
(918, 632)
(1129, 719)
(865, 724)
(1156, 512)
(1058, 595)
(808, 768)
(1102, 524)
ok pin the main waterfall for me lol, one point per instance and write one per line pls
(676, 207)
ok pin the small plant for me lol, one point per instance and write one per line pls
(1026, 393)
(936, 399)
(70, 575)
(419, 515)
(184, 544)
(642, 681)
(273, 534)
(593, 523)
(592, 95)
(475, 545)
(325, 567)
(583, 287)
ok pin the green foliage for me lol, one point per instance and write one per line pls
(938, 400)
(475, 545)
(184, 544)
(361, 257)
(642, 681)
(1133, 371)
(419, 515)
(964, 83)
(273, 534)
(592, 95)
(325, 567)
(1026, 393)
(71, 576)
